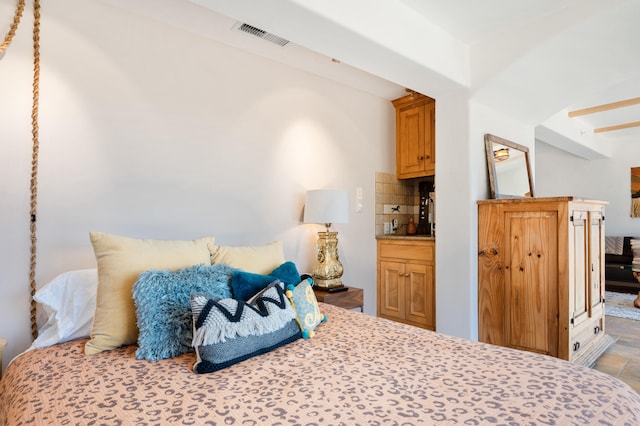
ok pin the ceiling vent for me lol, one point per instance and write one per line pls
(261, 33)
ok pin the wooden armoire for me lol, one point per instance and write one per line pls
(541, 275)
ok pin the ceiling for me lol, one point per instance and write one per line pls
(534, 60)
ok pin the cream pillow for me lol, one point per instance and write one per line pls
(256, 259)
(120, 261)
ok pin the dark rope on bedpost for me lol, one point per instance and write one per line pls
(34, 163)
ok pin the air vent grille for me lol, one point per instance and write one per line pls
(262, 34)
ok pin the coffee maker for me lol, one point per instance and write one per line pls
(427, 214)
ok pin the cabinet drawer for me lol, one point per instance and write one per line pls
(416, 251)
(582, 336)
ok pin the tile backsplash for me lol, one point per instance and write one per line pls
(395, 199)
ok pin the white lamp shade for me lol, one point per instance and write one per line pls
(326, 206)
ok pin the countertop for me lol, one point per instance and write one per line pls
(405, 237)
(540, 200)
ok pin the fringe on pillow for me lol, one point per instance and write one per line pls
(217, 328)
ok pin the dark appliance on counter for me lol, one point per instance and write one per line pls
(427, 214)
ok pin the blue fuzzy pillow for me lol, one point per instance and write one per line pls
(245, 285)
(163, 306)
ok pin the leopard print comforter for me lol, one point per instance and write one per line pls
(356, 370)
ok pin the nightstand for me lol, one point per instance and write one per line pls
(353, 298)
(3, 343)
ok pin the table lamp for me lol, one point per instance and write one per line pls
(327, 206)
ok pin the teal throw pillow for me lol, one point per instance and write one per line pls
(287, 273)
(244, 285)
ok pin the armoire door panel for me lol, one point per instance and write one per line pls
(596, 253)
(579, 277)
(531, 277)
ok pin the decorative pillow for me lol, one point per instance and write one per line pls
(287, 273)
(120, 261)
(163, 307)
(68, 301)
(635, 246)
(258, 259)
(228, 331)
(304, 302)
(613, 245)
(245, 285)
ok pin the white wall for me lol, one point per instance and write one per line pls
(151, 132)
(461, 180)
(455, 276)
(485, 120)
(609, 179)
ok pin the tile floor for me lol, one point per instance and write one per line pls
(622, 359)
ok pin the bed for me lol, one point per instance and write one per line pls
(275, 356)
(357, 369)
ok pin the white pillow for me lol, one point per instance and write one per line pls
(69, 302)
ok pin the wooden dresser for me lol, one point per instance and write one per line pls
(541, 275)
(406, 281)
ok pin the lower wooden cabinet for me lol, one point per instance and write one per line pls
(406, 282)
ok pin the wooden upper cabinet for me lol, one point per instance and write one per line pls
(415, 136)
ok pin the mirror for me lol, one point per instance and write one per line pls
(509, 168)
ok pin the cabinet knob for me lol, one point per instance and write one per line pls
(596, 329)
(576, 346)
(420, 157)
(406, 275)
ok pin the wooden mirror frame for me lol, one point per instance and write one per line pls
(489, 141)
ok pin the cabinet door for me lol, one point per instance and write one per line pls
(596, 258)
(410, 144)
(419, 294)
(579, 303)
(392, 290)
(531, 281)
(430, 139)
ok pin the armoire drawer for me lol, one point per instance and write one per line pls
(581, 337)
